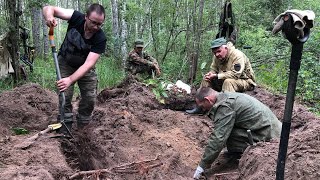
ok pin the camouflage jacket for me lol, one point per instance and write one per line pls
(135, 59)
(236, 66)
(238, 111)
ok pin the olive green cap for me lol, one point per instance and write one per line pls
(218, 42)
(138, 43)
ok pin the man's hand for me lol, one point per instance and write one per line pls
(64, 83)
(51, 21)
(157, 68)
(158, 71)
(209, 76)
(198, 172)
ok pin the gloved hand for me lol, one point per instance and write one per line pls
(198, 172)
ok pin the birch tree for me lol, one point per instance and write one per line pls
(36, 24)
(115, 28)
(124, 34)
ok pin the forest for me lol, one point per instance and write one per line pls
(177, 34)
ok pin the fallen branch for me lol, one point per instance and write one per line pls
(216, 176)
(134, 167)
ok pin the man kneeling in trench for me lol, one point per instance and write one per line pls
(233, 114)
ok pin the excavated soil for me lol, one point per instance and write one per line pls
(133, 136)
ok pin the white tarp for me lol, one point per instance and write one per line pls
(5, 58)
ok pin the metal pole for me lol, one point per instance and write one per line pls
(295, 62)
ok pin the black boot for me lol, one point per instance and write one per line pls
(196, 110)
(82, 121)
(68, 120)
(63, 130)
(81, 125)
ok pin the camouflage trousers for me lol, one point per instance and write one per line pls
(88, 90)
(228, 85)
(139, 69)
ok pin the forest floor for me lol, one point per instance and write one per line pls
(133, 136)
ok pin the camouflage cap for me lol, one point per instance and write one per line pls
(218, 42)
(138, 43)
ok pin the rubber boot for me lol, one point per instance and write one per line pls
(68, 120)
(196, 110)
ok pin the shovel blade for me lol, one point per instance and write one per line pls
(55, 126)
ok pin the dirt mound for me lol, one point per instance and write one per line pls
(300, 114)
(259, 161)
(32, 108)
(133, 136)
(28, 106)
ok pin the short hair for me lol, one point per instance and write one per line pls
(204, 92)
(95, 7)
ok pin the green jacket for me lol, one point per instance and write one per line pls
(233, 114)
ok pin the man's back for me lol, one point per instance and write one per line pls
(249, 113)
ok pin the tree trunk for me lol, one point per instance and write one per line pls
(79, 5)
(36, 22)
(124, 33)
(115, 29)
(14, 35)
(45, 39)
(197, 26)
(171, 31)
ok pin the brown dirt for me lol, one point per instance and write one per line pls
(135, 137)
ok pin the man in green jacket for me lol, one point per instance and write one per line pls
(233, 114)
(231, 70)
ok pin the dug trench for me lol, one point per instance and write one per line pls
(133, 136)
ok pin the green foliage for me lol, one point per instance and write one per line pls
(6, 84)
(270, 55)
(275, 77)
(108, 70)
(158, 89)
(109, 73)
(19, 131)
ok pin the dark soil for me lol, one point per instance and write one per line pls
(133, 136)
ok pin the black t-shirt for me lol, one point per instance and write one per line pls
(97, 42)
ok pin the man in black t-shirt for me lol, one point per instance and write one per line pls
(84, 43)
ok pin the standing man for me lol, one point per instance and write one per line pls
(139, 62)
(233, 114)
(231, 70)
(82, 46)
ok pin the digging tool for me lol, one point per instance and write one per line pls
(26, 144)
(61, 94)
(291, 32)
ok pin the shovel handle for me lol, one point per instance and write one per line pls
(51, 37)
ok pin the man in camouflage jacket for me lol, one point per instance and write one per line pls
(231, 70)
(140, 62)
(233, 114)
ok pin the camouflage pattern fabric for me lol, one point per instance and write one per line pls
(141, 63)
(88, 90)
(233, 114)
(235, 72)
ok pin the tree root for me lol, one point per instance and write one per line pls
(140, 167)
(221, 175)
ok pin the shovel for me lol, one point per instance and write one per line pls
(61, 94)
(26, 144)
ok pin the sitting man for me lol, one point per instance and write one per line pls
(230, 70)
(139, 62)
(233, 114)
